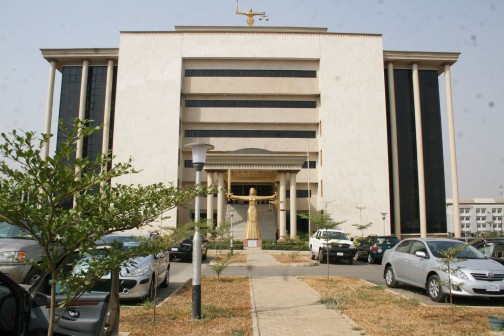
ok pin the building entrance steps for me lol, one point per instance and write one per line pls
(266, 215)
(287, 306)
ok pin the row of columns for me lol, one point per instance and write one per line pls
(216, 179)
(82, 107)
(419, 150)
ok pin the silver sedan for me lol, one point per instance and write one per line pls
(419, 262)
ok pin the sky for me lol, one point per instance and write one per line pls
(475, 28)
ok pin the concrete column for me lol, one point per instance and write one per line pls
(453, 153)
(210, 208)
(49, 108)
(419, 149)
(107, 109)
(220, 199)
(395, 156)
(293, 210)
(281, 203)
(82, 106)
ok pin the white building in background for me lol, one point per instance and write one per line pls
(321, 118)
(477, 216)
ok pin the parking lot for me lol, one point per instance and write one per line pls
(181, 271)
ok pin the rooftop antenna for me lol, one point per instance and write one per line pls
(250, 15)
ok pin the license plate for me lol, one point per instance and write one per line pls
(174, 249)
(339, 253)
(493, 288)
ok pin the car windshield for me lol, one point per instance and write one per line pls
(334, 235)
(127, 241)
(387, 240)
(469, 252)
(8, 230)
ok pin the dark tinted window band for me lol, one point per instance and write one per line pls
(252, 103)
(248, 134)
(250, 73)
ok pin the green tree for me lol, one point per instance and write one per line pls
(33, 191)
(323, 220)
(362, 227)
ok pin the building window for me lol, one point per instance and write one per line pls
(188, 164)
(310, 164)
(303, 193)
(248, 134)
(252, 103)
(250, 73)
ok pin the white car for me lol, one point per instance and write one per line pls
(417, 262)
(336, 242)
(138, 277)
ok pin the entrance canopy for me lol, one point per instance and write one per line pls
(254, 159)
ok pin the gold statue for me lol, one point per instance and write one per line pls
(250, 15)
(252, 230)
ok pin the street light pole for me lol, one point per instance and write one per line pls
(198, 157)
(383, 215)
(231, 241)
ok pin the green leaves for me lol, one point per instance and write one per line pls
(68, 203)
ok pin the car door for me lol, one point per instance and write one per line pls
(14, 308)
(416, 267)
(96, 312)
(398, 259)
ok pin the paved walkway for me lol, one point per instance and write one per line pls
(286, 306)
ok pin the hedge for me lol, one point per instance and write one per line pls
(285, 246)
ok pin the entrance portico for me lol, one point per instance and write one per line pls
(252, 166)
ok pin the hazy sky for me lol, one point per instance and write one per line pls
(475, 28)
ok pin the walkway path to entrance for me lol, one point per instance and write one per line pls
(286, 306)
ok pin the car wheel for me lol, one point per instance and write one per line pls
(33, 276)
(321, 256)
(390, 279)
(164, 283)
(434, 289)
(370, 259)
(350, 261)
(204, 256)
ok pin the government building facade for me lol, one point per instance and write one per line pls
(328, 121)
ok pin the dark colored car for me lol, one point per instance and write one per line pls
(373, 247)
(185, 248)
(492, 248)
(24, 309)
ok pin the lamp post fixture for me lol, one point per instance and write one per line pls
(491, 222)
(383, 216)
(198, 158)
(231, 241)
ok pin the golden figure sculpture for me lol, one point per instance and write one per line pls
(250, 15)
(252, 229)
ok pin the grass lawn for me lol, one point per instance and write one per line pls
(380, 312)
(226, 310)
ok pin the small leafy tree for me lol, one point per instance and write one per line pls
(220, 264)
(324, 221)
(99, 206)
(449, 266)
(362, 227)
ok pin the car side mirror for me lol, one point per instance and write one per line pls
(421, 254)
(352, 239)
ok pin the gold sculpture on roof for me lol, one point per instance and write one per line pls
(250, 15)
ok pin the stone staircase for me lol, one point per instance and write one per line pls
(266, 214)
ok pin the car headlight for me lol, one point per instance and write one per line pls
(459, 274)
(136, 271)
(12, 256)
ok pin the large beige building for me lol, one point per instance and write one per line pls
(328, 121)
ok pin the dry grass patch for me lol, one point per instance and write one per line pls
(225, 310)
(291, 257)
(236, 258)
(380, 312)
